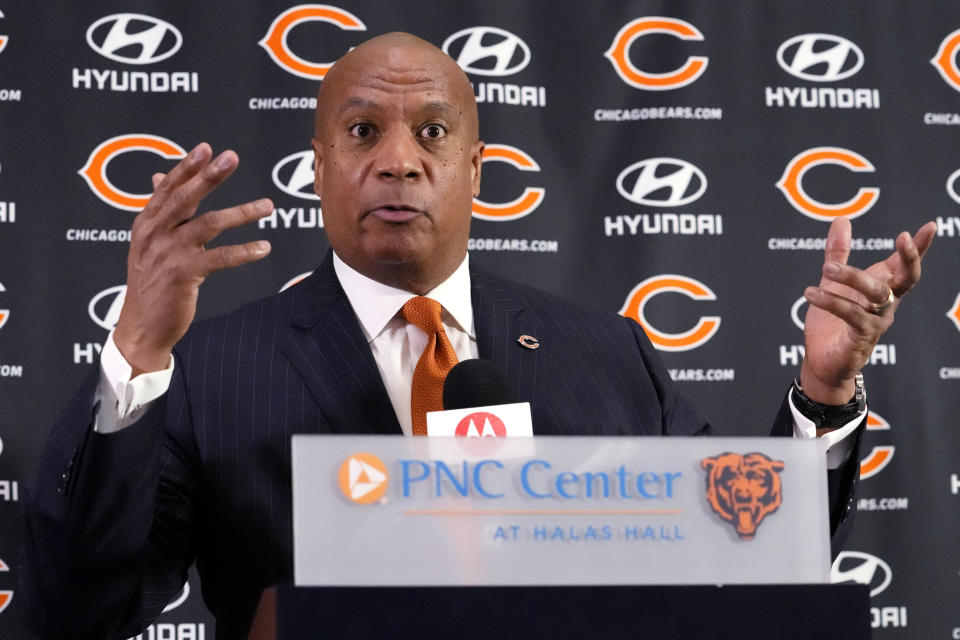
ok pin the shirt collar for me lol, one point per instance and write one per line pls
(376, 304)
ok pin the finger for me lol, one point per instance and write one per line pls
(907, 272)
(924, 237)
(838, 242)
(157, 178)
(847, 310)
(230, 256)
(182, 203)
(870, 287)
(183, 171)
(205, 228)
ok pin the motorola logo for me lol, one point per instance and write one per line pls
(662, 182)
(487, 51)
(104, 308)
(294, 175)
(820, 57)
(862, 568)
(134, 38)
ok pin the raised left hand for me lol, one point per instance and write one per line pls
(843, 324)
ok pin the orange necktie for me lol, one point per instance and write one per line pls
(435, 362)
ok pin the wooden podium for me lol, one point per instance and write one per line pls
(781, 612)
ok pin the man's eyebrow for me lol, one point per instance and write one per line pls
(443, 107)
(357, 103)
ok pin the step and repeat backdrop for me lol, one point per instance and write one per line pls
(678, 162)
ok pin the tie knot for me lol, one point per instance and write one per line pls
(424, 313)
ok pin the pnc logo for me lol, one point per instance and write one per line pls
(5, 596)
(487, 51)
(684, 341)
(880, 456)
(104, 308)
(3, 39)
(275, 42)
(953, 313)
(743, 489)
(862, 568)
(523, 205)
(134, 38)
(481, 424)
(363, 478)
(95, 170)
(662, 182)
(820, 57)
(791, 184)
(952, 185)
(619, 54)
(294, 175)
(945, 61)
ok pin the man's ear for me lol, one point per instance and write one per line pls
(317, 166)
(476, 160)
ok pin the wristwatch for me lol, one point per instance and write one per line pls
(829, 416)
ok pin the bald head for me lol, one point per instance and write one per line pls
(398, 57)
(397, 161)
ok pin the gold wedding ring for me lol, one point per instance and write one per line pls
(880, 308)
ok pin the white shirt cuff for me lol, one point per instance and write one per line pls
(839, 444)
(122, 400)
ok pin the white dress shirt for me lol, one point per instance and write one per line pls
(396, 347)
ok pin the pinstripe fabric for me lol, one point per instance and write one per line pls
(205, 474)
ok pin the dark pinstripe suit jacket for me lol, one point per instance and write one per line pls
(114, 520)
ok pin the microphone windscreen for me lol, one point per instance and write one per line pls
(476, 383)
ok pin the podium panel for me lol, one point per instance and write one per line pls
(784, 612)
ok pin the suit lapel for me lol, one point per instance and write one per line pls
(500, 319)
(329, 351)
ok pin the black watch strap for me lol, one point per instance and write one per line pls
(829, 416)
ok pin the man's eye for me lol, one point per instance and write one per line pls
(433, 131)
(361, 130)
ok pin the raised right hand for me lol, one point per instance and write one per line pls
(167, 261)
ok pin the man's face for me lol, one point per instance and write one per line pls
(398, 163)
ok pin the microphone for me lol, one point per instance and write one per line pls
(476, 383)
(479, 400)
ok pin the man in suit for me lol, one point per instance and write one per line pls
(185, 454)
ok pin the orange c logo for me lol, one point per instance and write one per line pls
(95, 171)
(275, 42)
(619, 54)
(5, 596)
(529, 200)
(643, 292)
(953, 313)
(791, 184)
(880, 456)
(3, 39)
(363, 478)
(946, 59)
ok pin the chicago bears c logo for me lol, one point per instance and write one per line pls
(946, 60)
(275, 42)
(521, 206)
(95, 170)
(791, 184)
(619, 54)
(3, 39)
(743, 490)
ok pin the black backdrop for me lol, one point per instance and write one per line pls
(661, 162)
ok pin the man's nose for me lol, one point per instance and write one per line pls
(399, 156)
